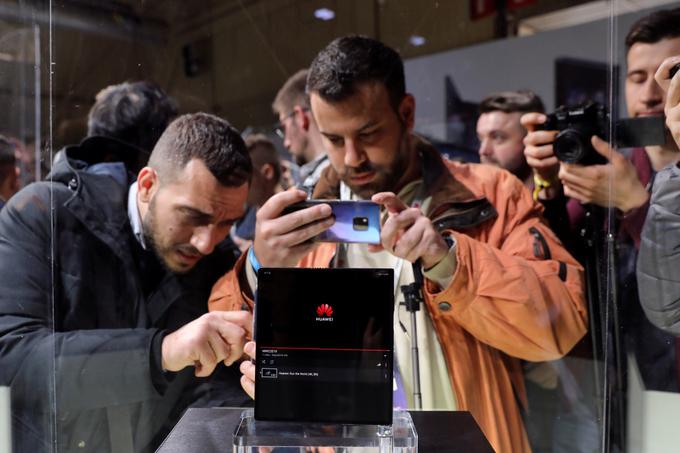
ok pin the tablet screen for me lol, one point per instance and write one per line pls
(324, 345)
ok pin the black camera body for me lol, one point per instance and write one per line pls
(577, 125)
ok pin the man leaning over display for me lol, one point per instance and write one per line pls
(498, 285)
(103, 325)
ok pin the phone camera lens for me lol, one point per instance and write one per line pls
(360, 223)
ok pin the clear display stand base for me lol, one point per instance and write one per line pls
(254, 436)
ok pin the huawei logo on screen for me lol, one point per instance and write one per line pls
(324, 312)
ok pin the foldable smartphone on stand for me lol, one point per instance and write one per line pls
(324, 345)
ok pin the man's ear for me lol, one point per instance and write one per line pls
(301, 117)
(407, 111)
(16, 181)
(267, 171)
(147, 184)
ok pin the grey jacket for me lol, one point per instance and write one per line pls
(658, 267)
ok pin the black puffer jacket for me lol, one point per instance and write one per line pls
(80, 326)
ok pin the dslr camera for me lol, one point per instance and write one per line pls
(576, 126)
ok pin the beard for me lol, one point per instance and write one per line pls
(520, 168)
(161, 248)
(386, 177)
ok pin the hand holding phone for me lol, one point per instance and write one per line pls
(283, 240)
(667, 78)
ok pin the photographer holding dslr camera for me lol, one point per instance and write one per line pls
(605, 177)
(658, 260)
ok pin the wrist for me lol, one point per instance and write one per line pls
(448, 242)
(252, 259)
(165, 366)
(634, 200)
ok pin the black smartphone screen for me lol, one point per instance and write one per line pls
(324, 345)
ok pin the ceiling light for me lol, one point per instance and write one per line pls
(417, 40)
(324, 14)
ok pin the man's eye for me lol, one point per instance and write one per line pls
(335, 141)
(193, 220)
(636, 78)
(367, 135)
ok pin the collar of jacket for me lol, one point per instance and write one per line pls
(98, 201)
(453, 205)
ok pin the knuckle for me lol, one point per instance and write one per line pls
(266, 230)
(260, 216)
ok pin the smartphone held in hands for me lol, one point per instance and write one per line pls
(355, 221)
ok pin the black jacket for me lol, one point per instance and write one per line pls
(83, 310)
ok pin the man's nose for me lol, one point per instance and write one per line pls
(652, 94)
(354, 154)
(205, 238)
(485, 148)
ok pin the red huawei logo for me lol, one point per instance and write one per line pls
(324, 310)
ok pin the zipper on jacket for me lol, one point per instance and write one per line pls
(541, 249)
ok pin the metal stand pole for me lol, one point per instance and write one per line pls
(601, 266)
(413, 297)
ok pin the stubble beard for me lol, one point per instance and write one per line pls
(150, 226)
(387, 178)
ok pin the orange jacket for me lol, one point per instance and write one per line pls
(516, 292)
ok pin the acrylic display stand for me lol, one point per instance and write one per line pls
(254, 436)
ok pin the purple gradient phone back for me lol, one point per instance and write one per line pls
(355, 221)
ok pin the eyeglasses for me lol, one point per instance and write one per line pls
(280, 127)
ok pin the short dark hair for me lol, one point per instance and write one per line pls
(351, 60)
(292, 93)
(208, 138)
(523, 101)
(262, 151)
(8, 159)
(650, 29)
(134, 112)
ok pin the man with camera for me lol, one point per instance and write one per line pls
(622, 181)
(498, 285)
(657, 270)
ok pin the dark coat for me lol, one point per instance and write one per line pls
(80, 333)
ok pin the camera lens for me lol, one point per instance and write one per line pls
(571, 146)
(360, 223)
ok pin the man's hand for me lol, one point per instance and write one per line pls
(592, 183)
(215, 337)
(247, 367)
(409, 234)
(538, 148)
(281, 241)
(672, 89)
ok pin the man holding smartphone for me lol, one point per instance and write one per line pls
(498, 285)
